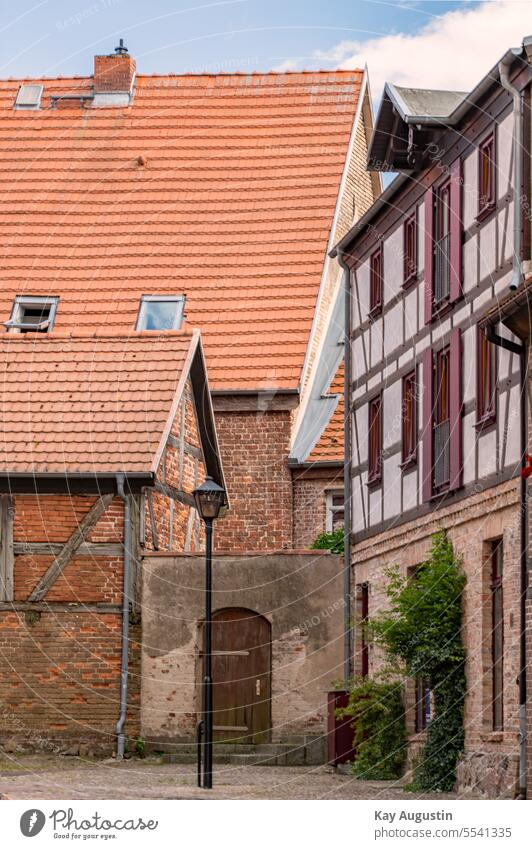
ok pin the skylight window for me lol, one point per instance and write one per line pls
(161, 312)
(32, 315)
(29, 97)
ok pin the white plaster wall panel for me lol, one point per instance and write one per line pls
(513, 439)
(393, 264)
(362, 434)
(479, 304)
(469, 363)
(407, 356)
(505, 363)
(361, 293)
(500, 287)
(487, 248)
(375, 506)
(469, 439)
(504, 135)
(360, 356)
(469, 261)
(393, 329)
(410, 493)
(487, 453)
(462, 316)
(391, 479)
(422, 344)
(376, 342)
(391, 414)
(389, 371)
(358, 507)
(470, 189)
(411, 316)
(441, 330)
(506, 223)
(374, 382)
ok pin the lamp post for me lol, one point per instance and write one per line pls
(209, 499)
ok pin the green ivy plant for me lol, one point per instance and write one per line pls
(421, 631)
(379, 724)
(332, 541)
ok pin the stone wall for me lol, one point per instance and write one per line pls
(300, 594)
(310, 502)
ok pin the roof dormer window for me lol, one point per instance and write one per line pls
(29, 96)
(32, 315)
(161, 312)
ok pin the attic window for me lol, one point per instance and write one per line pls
(161, 312)
(29, 97)
(32, 315)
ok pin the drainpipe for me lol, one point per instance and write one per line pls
(515, 348)
(121, 737)
(346, 283)
(504, 67)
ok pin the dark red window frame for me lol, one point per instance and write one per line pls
(410, 250)
(486, 379)
(375, 440)
(441, 425)
(364, 615)
(443, 229)
(497, 634)
(375, 282)
(486, 176)
(409, 421)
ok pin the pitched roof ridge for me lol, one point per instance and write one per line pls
(61, 335)
(211, 74)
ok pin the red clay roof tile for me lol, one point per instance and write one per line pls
(232, 206)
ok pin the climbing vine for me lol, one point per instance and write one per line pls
(421, 631)
(376, 707)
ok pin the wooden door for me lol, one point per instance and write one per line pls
(241, 667)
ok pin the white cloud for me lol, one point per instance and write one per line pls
(453, 51)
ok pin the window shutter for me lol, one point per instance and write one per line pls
(429, 252)
(427, 425)
(455, 410)
(456, 230)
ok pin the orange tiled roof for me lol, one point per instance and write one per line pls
(89, 403)
(222, 187)
(330, 446)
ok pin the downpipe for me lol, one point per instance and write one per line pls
(121, 737)
(521, 350)
(348, 648)
(504, 68)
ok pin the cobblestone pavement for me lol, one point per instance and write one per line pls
(54, 777)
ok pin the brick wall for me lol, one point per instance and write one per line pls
(490, 762)
(254, 449)
(60, 669)
(310, 502)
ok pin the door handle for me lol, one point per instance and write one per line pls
(257, 687)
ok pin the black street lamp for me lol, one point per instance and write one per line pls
(209, 499)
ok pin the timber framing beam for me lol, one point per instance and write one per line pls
(71, 547)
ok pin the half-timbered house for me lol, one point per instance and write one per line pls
(435, 405)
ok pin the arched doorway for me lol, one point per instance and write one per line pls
(241, 673)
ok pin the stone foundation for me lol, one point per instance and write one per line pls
(486, 774)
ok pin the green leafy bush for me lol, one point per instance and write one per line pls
(379, 726)
(331, 541)
(422, 630)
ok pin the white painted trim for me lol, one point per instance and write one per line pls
(329, 510)
(332, 240)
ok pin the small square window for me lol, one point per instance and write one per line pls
(335, 510)
(29, 96)
(161, 312)
(32, 315)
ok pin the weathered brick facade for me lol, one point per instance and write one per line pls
(491, 757)
(60, 668)
(254, 448)
(310, 502)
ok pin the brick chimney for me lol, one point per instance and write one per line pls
(114, 73)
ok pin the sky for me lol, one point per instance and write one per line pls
(432, 43)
